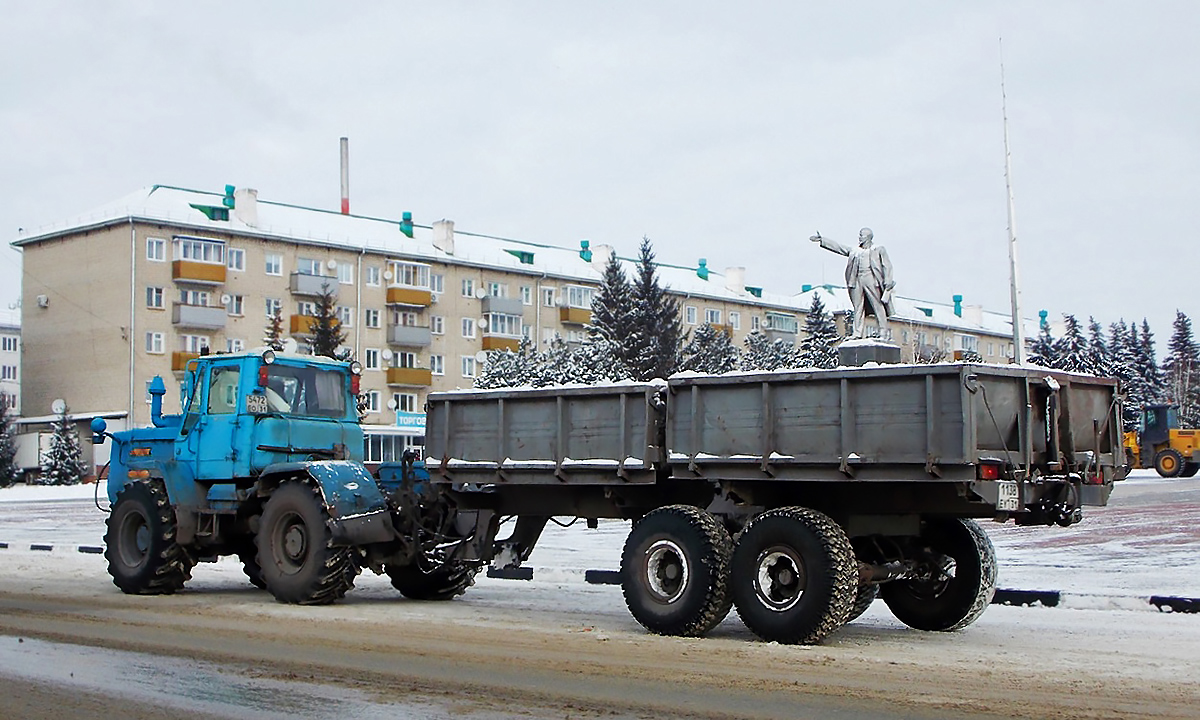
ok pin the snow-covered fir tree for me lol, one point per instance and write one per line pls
(1122, 366)
(9, 472)
(1071, 350)
(761, 353)
(273, 335)
(1098, 355)
(499, 370)
(1147, 364)
(556, 365)
(655, 338)
(597, 361)
(63, 462)
(819, 346)
(1182, 371)
(709, 351)
(325, 329)
(613, 313)
(1041, 349)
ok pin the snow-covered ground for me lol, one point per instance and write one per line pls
(1145, 542)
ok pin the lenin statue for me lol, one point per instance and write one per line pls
(869, 279)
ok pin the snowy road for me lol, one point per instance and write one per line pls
(556, 647)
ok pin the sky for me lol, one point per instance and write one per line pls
(730, 134)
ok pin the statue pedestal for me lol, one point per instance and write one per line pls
(856, 353)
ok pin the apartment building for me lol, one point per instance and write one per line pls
(141, 286)
(10, 361)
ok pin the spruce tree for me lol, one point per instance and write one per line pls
(9, 472)
(758, 355)
(1147, 365)
(1123, 366)
(709, 351)
(656, 333)
(613, 313)
(273, 337)
(1041, 350)
(1071, 350)
(1181, 369)
(325, 329)
(1099, 358)
(819, 347)
(63, 463)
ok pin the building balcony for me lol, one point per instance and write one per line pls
(179, 360)
(302, 284)
(201, 273)
(410, 296)
(408, 335)
(575, 316)
(500, 342)
(299, 324)
(507, 306)
(419, 377)
(773, 334)
(727, 329)
(198, 316)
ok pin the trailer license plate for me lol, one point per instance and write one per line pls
(1009, 496)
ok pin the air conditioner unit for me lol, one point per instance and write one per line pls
(434, 298)
(43, 301)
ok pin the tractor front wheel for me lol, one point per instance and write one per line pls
(143, 557)
(1168, 463)
(297, 560)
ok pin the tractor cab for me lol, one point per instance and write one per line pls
(1157, 422)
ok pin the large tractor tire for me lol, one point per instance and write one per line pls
(296, 557)
(248, 554)
(675, 571)
(795, 578)
(956, 578)
(143, 557)
(1169, 463)
(1190, 469)
(866, 595)
(445, 583)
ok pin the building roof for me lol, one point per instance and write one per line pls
(292, 223)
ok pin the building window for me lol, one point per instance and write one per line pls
(437, 325)
(468, 287)
(412, 275)
(689, 314)
(8, 372)
(304, 307)
(308, 266)
(10, 344)
(194, 343)
(782, 322)
(274, 264)
(404, 402)
(345, 273)
(437, 282)
(371, 401)
(371, 318)
(468, 327)
(156, 249)
(497, 290)
(991, 349)
(371, 359)
(196, 250)
(735, 320)
(154, 298)
(548, 297)
(712, 317)
(969, 343)
(406, 359)
(526, 295)
(273, 305)
(548, 335)
(502, 324)
(437, 364)
(468, 366)
(235, 305)
(526, 331)
(237, 259)
(579, 296)
(755, 323)
(345, 316)
(407, 318)
(234, 345)
(373, 275)
(198, 298)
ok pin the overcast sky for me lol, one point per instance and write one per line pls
(727, 134)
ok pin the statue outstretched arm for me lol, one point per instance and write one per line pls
(833, 245)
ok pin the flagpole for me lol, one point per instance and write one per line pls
(1018, 331)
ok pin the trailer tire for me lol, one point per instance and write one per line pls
(959, 578)
(297, 560)
(444, 583)
(1168, 463)
(675, 571)
(143, 557)
(795, 578)
(866, 595)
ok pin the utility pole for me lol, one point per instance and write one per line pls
(1018, 331)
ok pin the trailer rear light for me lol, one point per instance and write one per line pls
(989, 471)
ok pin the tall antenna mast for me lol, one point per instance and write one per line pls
(1018, 331)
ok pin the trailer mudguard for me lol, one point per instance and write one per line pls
(358, 511)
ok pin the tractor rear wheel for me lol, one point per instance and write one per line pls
(956, 578)
(1190, 469)
(143, 557)
(248, 554)
(296, 557)
(444, 583)
(1168, 463)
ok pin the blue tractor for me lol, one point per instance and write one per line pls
(265, 463)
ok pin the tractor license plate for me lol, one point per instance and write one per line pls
(257, 405)
(1008, 497)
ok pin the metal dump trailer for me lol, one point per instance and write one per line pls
(796, 496)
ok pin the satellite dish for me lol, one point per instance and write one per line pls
(483, 324)
(59, 406)
(480, 293)
(387, 275)
(290, 345)
(385, 354)
(392, 404)
(331, 264)
(226, 298)
(481, 356)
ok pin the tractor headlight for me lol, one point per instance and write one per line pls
(268, 357)
(356, 367)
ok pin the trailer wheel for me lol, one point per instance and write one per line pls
(1168, 463)
(956, 580)
(296, 557)
(795, 578)
(675, 571)
(143, 557)
(866, 595)
(444, 583)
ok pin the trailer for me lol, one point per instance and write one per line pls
(798, 497)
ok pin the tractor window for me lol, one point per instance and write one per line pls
(223, 391)
(306, 391)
